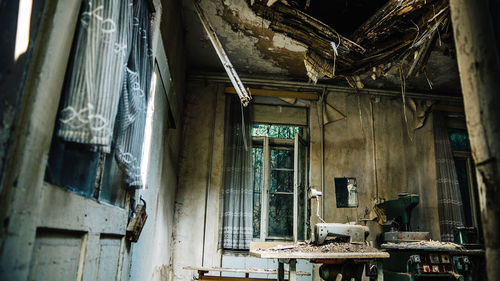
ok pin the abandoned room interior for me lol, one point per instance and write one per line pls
(250, 140)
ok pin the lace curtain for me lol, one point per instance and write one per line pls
(450, 207)
(237, 217)
(96, 73)
(133, 101)
(108, 82)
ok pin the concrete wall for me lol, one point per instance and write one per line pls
(200, 180)
(403, 165)
(152, 255)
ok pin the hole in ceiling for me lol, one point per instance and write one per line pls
(345, 16)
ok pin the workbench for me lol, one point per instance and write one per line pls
(266, 250)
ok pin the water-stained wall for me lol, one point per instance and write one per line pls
(376, 145)
(404, 163)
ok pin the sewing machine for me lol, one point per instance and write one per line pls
(355, 233)
(348, 269)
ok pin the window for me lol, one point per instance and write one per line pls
(464, 165)
(97, 144)
(279, 191)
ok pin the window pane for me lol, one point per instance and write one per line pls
(256, 214)
(280, 215)
(257, 186)
(73, 166)
(463, 182)
(282, 159)
(281, 181)
(274, 131)
(459, 140)
(113, 184)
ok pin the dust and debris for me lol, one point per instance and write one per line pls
(332, 247)
(424, 245)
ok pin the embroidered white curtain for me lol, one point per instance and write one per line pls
(133, 101)
(451, 213)
(237, 217)
(96, 73)
(109, 74)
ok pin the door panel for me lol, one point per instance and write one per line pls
(56, 255)
(109, 256)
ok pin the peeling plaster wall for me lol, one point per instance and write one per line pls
(251, 46)
(203, 126)
(152, 255)
(402, 165)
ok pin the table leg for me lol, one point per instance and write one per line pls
(281, 271)
(380, 272)
(292, 273)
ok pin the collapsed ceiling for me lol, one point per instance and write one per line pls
(377, 43)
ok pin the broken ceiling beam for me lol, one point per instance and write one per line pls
(390, 36)
(245, 97)
(277, 93)
(271, 2)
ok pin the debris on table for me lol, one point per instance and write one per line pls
(423, 245)
(332, 247)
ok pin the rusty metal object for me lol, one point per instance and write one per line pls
(406, 236)
(135, 225)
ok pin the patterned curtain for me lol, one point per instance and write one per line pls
(450, 208)
(237, 229)
(96, 73)
(133, 101)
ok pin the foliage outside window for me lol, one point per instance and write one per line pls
(274, 131)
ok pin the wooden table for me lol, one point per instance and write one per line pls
(259, 249)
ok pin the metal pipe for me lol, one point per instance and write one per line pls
(322, 131)
(304, 86)
(219, 49)
(209, 173)
(374, 151)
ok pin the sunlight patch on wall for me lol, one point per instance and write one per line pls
(23, 28)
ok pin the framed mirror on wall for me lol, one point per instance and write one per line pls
(346, 192)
